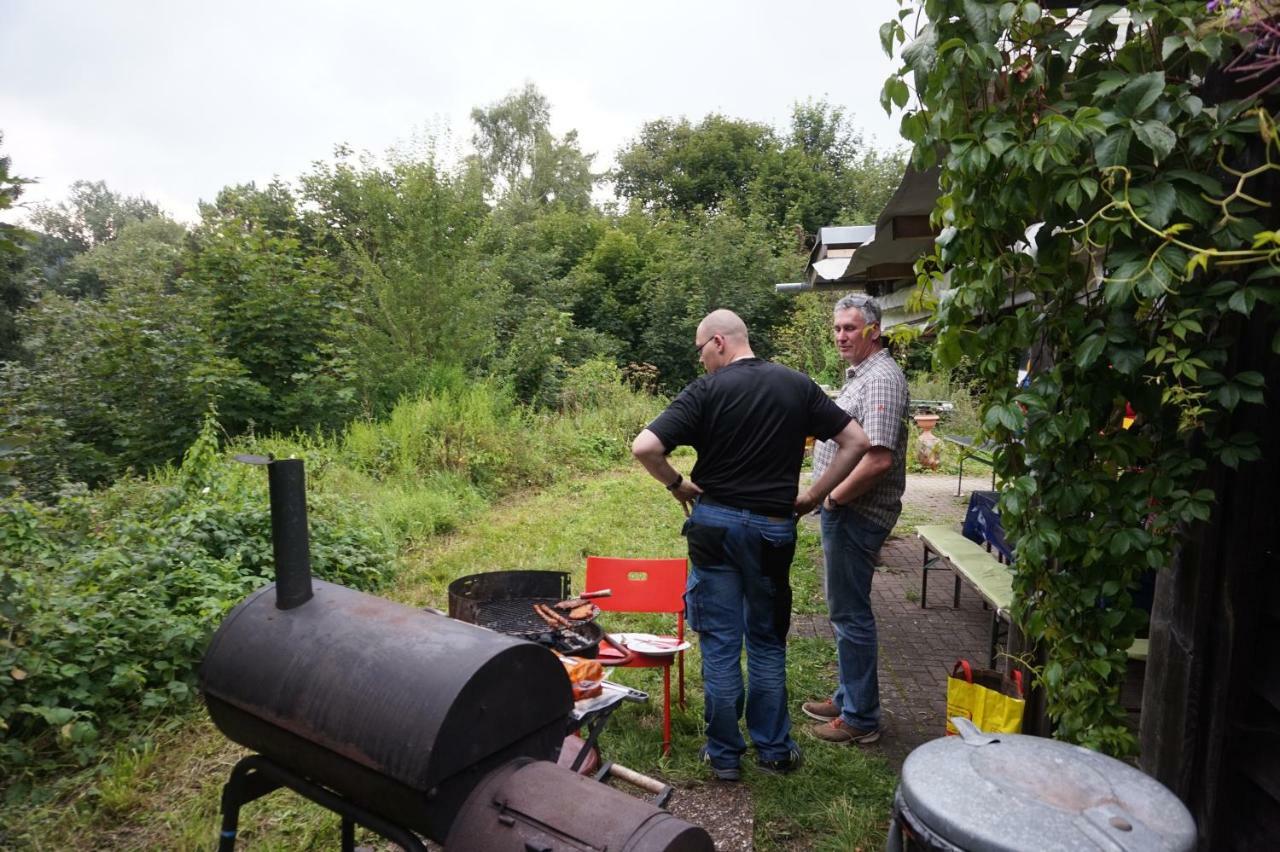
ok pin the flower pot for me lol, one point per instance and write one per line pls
(928, 445)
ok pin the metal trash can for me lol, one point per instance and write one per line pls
(1005, 792)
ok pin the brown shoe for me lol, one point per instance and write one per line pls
(823, 711)
(837, 731)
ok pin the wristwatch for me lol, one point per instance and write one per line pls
(673, 486)
(833, 502)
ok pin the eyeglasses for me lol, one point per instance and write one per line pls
(698, 349)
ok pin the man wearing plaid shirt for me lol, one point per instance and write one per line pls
(857, 516)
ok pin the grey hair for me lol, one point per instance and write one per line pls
(869, 307)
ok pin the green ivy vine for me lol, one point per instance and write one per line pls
(1095, 121)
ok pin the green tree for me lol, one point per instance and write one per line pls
(92, 214)
(118, 382)
(819, 173)
(702, 264)
(406, 232)
(824, 174)
(805, 340)
(526, 163)
(13, 242)
(605, 286)
(284, 314)
(147, 254)
(682, 167)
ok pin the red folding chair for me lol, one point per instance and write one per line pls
(644, 585)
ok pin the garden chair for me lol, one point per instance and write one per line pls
(644, 585)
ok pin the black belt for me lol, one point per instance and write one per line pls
(707, 501)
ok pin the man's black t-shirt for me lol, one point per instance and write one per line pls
(748, 422)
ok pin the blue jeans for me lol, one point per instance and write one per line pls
(850, 544)
(740, 589)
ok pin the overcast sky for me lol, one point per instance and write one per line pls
(174, 100)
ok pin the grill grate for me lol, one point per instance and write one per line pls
(517, 618)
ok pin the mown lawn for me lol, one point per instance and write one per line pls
(165, 795)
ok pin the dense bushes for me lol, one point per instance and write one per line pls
(108, 599)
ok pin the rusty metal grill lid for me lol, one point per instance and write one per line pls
(988, 792)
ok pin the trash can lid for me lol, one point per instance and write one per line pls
(988, 792)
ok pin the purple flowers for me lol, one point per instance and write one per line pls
(1222, 5)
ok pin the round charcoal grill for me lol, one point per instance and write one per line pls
(503, 602)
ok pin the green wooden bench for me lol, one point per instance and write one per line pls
(946, 549)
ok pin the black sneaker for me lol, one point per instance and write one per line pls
(725, 773)
(782, 766)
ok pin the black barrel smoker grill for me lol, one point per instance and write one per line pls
(402, 720)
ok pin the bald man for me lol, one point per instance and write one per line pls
(748, 420)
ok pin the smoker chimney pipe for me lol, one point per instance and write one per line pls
(289, 539)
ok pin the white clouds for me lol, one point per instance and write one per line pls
(176, 100)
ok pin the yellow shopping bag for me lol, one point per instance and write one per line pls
(991, 700)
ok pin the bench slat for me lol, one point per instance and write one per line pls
(992, 580)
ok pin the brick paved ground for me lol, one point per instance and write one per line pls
(917, 646)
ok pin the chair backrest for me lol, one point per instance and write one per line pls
(639, 585)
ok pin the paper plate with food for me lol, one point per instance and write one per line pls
(651, 645)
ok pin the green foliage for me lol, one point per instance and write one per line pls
(113, 384)
(93, 214)
(13, 242)
(816, 175)
(527, 165)
(1118, 134)
(109, 599)
(406, 232)
(284, 314)
(805, 340)
(145, 255)
(700, 264)
(678, 166)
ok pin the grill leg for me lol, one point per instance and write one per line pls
(348, 835)
(255, 776)
(247, 782)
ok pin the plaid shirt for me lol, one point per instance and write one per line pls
(875, 394)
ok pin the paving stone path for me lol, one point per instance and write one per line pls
(917, 646)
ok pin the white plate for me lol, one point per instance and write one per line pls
(651, 645)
